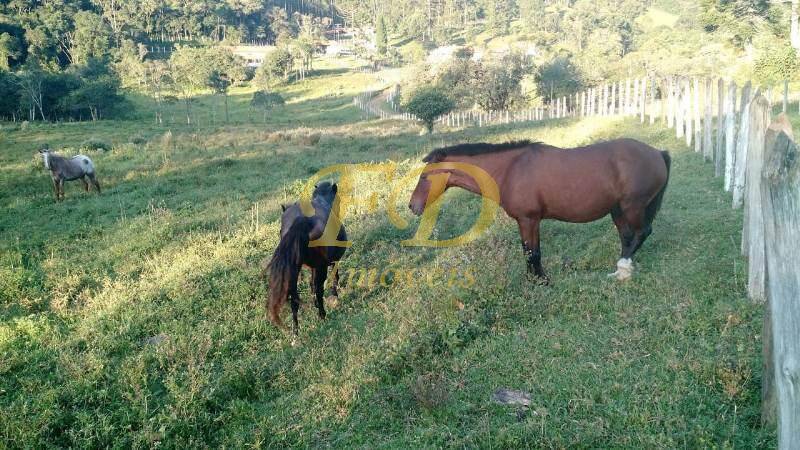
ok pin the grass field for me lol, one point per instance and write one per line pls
(135, 318)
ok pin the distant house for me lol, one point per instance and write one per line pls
(253, 54)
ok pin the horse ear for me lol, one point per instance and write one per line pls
(334, 188)
(283, 207)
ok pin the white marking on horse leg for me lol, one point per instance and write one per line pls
(624, 269)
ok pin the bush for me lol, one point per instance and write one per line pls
(776, 64)
(95, 144)
(413, 52)
(428, 103)
(266, 101)
(500, 83)
(275, 68)
(138, 139)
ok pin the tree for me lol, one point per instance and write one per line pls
(226, 69)
(188, 75)
(777, 63)
(90, 39)
(10, 50)
(9, 96)
(499, 13)
(499, 83)
(427, 104)
(266, 101)
(381, 42)
(794, 26)
(31, 82)
(740, 19)
(458, 78)
(558, 77)
(275, 67)
(156, 79)
(98, 92)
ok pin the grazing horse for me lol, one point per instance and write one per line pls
(624, 177)
(79, 167)
(293, 253)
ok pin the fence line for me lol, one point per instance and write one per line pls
(760, 166)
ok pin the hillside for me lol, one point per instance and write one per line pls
(136, 319)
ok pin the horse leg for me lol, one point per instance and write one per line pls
(55, 188)
(60, 188)
(294, 301)
(335, 284)
(320, 274)
(529, 230)
(85, 183)
(95, 183)
(633, 231)
(312, 283)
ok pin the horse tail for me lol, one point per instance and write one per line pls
(284, 267)
(652, 209)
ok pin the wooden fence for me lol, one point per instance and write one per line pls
(760, 165)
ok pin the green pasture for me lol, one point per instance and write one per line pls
(136, 318)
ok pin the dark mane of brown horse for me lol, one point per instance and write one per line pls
(476, 149)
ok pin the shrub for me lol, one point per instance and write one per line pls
(95, 144)
(776, 64)
(413, 52)
(310, 139)
(167, 140)
(428, 103)
(266, 101)
(138, 139)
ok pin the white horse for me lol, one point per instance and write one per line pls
(79, 167)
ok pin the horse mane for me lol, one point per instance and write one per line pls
(476, 149)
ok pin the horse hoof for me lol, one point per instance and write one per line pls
(624, 270)
(332, 301)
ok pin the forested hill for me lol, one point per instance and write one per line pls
(50, 29)
(58, 58)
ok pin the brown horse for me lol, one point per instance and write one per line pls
(293, 253)
(624, 177)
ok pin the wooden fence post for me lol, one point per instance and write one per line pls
(708, 122)
(653, 109)
(719, 154)
(781, 200)
(742, 142)
(688, 119)
(585, 103)
(696, 113)
(679, 107)
(626, 109)
(785, 96)
(642, 99)
(612, 106)
(730, 135)
(753, 231)
(670, 92)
